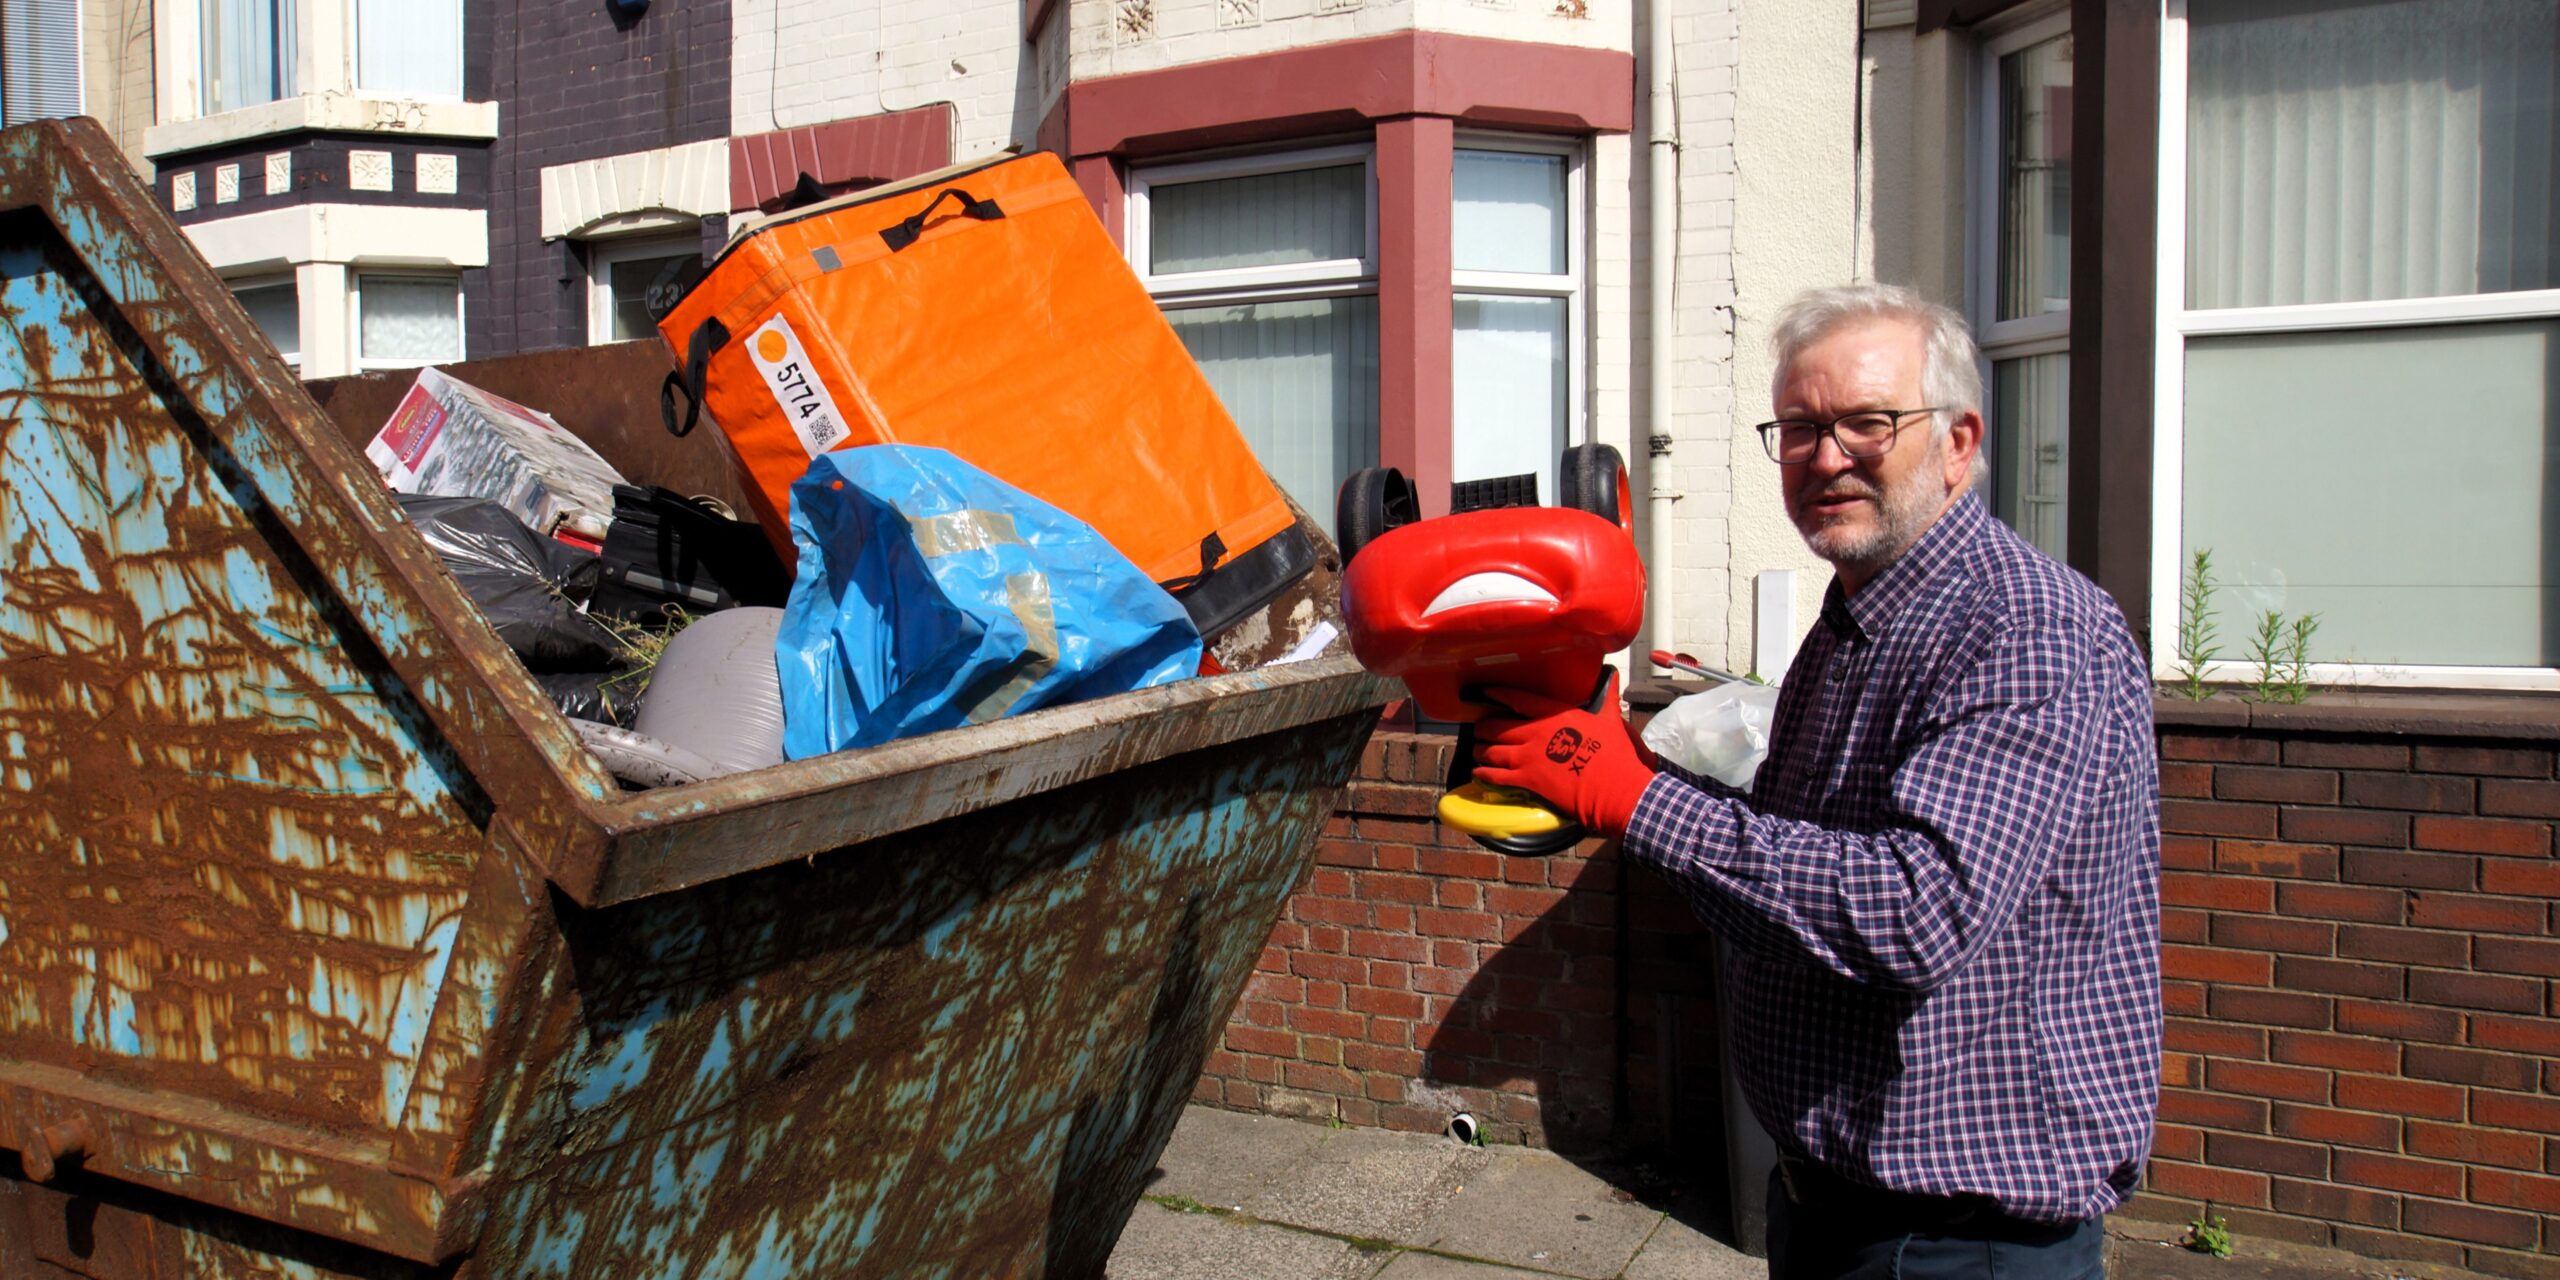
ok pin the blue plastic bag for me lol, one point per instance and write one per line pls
(931, 595)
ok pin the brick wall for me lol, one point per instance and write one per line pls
(1416, 975)
(2361, 972)
(2359, 964)
(573, 83)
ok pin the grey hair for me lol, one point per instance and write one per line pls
(1950, 366)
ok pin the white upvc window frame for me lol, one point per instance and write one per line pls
(1997, 340)
(1573, 285)
(271, 280)
(2000, 339)
(1330, 278)
(2175, 324)
(358, 273)
(602, 255)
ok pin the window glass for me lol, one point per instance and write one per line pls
(39, 60)
(630, 281)
(2030, 446)
(2035, 180)
(248, 52)
(1301, 380)
(1509, 385)
(1508, 212)
(409, 47)
(2398, 483)
(408, 320)
(2352, 150)
(1259, 220)
(277, 311)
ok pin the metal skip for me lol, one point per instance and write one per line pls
(325, 949)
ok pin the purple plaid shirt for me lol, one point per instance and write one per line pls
(1943, 889)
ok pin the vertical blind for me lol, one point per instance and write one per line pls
(409, 47)
(1301, 380)
(1508, 212)
(1509, 374)
(39, 60)
(2346, 152)
(1259, 220)
(248, 52)
(1508, 384)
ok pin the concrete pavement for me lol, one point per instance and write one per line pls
(1248, 1197)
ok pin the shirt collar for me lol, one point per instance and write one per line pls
(1873, 608)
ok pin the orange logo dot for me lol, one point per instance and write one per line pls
(770, 347)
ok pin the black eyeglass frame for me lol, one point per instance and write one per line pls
(1769, 438)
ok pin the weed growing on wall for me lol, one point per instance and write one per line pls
(2281, 650)
(2198, 641)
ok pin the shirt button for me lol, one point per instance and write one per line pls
(1839, 674)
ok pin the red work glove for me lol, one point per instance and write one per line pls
(1585, 763)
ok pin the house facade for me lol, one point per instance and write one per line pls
(2277, 281)
(1451, 260)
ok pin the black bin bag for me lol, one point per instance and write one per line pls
(530, 587)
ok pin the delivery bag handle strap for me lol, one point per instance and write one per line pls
(1212, 550)
(708, 336)
(900, 234)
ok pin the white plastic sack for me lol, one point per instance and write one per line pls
(1722, 733)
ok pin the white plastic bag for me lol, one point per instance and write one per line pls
(1722, 733)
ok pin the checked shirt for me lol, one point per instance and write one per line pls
(1943, 889)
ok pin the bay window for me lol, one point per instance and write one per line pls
(409, 48)
(2360, 329)
(248, 48)
(1266, 266)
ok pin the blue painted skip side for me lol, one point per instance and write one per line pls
(954, 1052)
(175, 706)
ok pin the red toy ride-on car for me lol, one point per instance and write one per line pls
(1502, 592)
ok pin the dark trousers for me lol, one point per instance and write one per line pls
(1831, 1230)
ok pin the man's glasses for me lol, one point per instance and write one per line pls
(1869, 433)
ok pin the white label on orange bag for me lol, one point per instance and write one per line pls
(796, 386)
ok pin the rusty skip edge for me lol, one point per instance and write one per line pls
(342, 1188)
(668, 840)
(410, 1195)
(434, 641)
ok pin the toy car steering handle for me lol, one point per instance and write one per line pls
(1524, 597)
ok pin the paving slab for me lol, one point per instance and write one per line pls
(1172, 1244)
(1369, 1183)
(1678, 1251)
(1533, 1208)
(1424, 1266)
(1224, 1158)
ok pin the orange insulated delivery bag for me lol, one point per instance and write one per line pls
(983, 310)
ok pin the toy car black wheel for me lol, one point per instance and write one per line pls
(1593, 478)
(1372, 501)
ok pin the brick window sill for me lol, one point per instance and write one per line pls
(2528, 717)
(2533, 717)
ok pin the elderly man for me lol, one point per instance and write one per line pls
(1942, 887)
